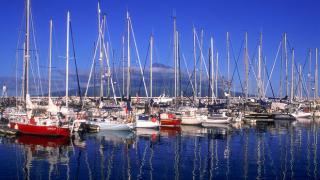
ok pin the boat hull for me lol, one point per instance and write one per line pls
(40, 130)
(114, 126)
(210, 122)
(170, 122)
(147, 124)
(190, 120)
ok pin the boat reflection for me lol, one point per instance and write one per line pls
(53, 150)
(187, 130)
(275, 150)
(116, 137)
(152, 134)
(170, 131)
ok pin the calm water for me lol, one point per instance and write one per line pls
(281, 150)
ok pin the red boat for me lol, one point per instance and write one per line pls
(169, 119)
(45, 127)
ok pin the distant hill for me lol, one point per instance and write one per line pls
(159, 65)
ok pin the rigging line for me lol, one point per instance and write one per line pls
(192, 75)
(116, 74)
(266, 70)
(17, 53)
(36, 54)
(33, 77)
(274, 63)
(144, 67)
(91, 69)
(236, 61)
(157, 58)
(138, 56)
(108, 64)
(251, 62)
(75, 63)
(189, 76)
(205, 66)
(302, 82)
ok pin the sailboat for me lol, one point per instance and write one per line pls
(189, 116)
(34, 122)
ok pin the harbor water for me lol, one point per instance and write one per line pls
(273, 150)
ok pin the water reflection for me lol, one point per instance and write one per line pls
(278, 150)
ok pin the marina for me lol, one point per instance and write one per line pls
(126, 113)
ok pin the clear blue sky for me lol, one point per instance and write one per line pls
(299, 18)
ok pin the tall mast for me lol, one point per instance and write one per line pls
(200, 69)
(316, 74)
(151, 61)
(175, 56)
(300, 82)
(195, 64)
(292, 76)
(259, 67)
(67, 59)
(246, 66)
(217, 70)
(309, 75)
(212, 68)
(228, 62)
(123, 64)
(286, 61)
(100, 49)
(26, 51)
(177, 64)
(129, 58)
(50, 59)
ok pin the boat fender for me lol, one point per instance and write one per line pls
(153, 119)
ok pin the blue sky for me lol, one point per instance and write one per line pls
(299, 18)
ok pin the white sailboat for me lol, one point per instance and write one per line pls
(189, 116)
(216, 118)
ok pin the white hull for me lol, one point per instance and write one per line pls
(114, 126)
(222, 120)
(300, 114)
(147, 124)
(191, 120)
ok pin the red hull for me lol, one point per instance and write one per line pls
(43, 141)
(40, 130)
(170, 122)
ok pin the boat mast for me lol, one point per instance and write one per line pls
(316, 77)
(200, 73)
(217, 70)
(212, 69)
(259, 68)
(228, 61)
(129, 58)
(175, 56)
(26, 51)
(151, 61)
(50, 60)
(292, 77)
(286, 61)
(195, 65)
(300, 82)
(67, 59)
(309, 74)
(246, 66)
(178, 64)
(100, 50)
(123, 64)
